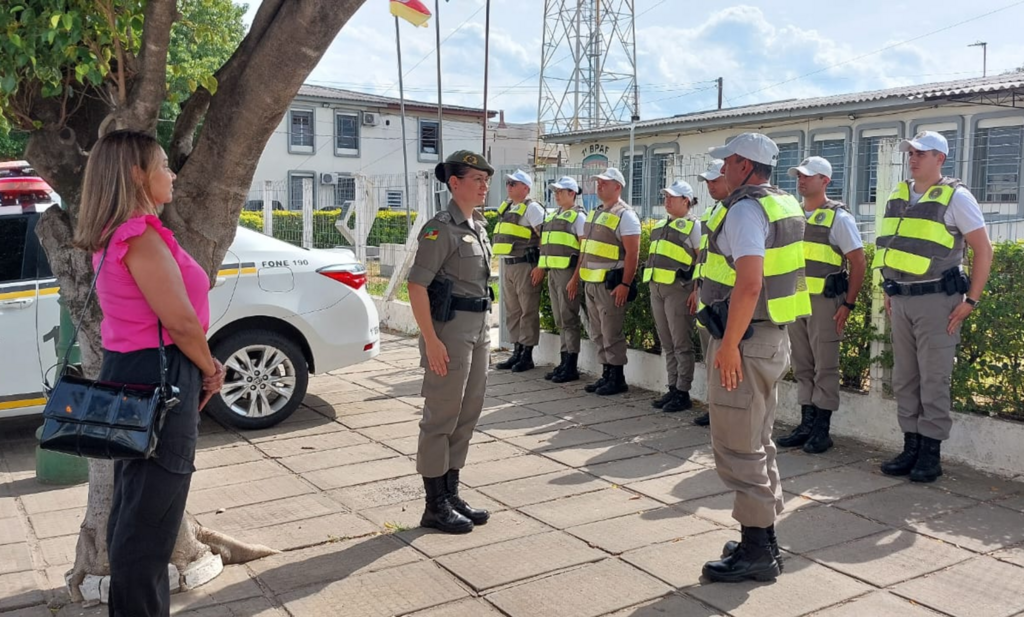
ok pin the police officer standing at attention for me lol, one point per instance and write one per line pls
(608, 264)
(517, 241)
(718, 190)
(675, 241)
(835, 270)
(450, 300)
(559, 255)
(920, 249)
(753, 286)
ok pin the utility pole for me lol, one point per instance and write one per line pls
(984, 56)
(719, 92)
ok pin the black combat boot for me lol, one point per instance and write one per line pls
(773, 543)
(802, 432)
(439, 513)
(525, 360)
(904, 461)
(927, 467)
(570, 372)
(517, 352)
(820, 441)
(600, 382)
(703, 420)
(752, 559)
(681, 402)
(558, 369)
(659, 403)
(478, 516)
(616, 382)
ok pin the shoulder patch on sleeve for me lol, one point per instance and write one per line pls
(430, 233)
(444, 217)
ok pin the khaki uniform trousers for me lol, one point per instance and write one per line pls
(565, 311)
(675, 331)
(923, 354)
(741, 425)
(452, 403)
(816, 354)
(605, 324)
(522, 305)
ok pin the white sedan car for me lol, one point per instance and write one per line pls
(277, 314)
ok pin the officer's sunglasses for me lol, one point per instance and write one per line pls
(511, 183)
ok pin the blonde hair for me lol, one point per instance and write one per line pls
(114, 186)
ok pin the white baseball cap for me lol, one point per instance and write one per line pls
(521, 176)
(612, 174)
(714, 171)
(926, 140)
(751, 146)
(679, 188)
(565, 182)
(812, 166)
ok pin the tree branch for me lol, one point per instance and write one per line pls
(149, 84)
(192, 113)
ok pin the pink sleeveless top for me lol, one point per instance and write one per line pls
(129, 324)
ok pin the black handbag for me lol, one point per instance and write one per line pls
(101, 419)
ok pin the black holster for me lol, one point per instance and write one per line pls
(836, 284)
(955, 282)
(440, 294)
(532, 255)
(715, 318)
(614, 279)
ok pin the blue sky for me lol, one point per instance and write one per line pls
(766, 51)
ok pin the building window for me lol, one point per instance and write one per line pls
(394, 200)
(636, 197)
(295, 190)
(428, 140)
(300, 131)
(344, 192)
(346, 134)
(659, 177)
(789, 156)
(834, 151)
(997, 157)
(951, 167)
(867, 165)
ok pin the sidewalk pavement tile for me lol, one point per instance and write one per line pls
(502, 563)
(285, 431)
(403, 413)
(891, 557)
(602, 411)
(238, 495)
(609, 502)
(377, 494)
(567, 438)
(1014, 503)
(983, 528)
(59, 523)
(532, 396)
(391, 431)
(350, 455)
(312, 443)
(243, 473)
(17, 558)
(794, 463)
(573, 408)
(231, 585)
(1012, 555)
(397, 591)
(976, 484)
(406, 515)
(361, 473)
(640, 425)
(58, 551)
(588, 591)
(503, 390)
(326, 563)
(537, 489)
(804, 587)
(626, 533)
(18, 590)
(701, 454)
(508, 413)
(470, 607)
(223, 457)
(487, 451)
(51, 498)
(679, 563)
(408, 446)
(493, 472)
(632, 470)
(718, 508)
(982, 587)
(671, 605)
(253, 607)
(309, 531)
(502, 526)
(675, 438)
(595, 453)
(273, 513)
(880, 604)
(905, 503)
(8, 505)
(838, 483)
(682, 486)
(215, 441)
(527, 426)
(810, 529)
(12, 530)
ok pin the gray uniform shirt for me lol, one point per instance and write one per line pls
(454, 247)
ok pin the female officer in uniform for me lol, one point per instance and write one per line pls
(450, 300)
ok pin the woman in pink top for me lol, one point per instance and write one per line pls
(144, 279)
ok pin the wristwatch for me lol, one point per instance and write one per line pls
(971, 301)
(850, 305)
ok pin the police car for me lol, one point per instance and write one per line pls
(277, 314)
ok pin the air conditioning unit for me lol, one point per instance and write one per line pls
(370, 119)
(329, 178)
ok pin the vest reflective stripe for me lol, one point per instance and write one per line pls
(914, 242)
(784, 297)
(558, 241)
(670, 251)
(705, 233)
(601, 249)
(821, 256)
(510, 237)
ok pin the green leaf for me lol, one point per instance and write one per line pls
(8, 84)
(54, 20)
(15, 39)
(67, 20)
(192, 85)
(210, 83)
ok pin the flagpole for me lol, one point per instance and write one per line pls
(487, 44)
(405, 143)
(440, 117)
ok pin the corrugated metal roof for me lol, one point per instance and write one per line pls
(908, 93)
(338, 94)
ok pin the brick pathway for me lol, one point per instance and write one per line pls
(601, 507)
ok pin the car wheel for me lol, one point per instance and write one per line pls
(266, 379)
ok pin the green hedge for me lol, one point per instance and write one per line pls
(388, 227)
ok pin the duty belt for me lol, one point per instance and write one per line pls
(895, 288)
(471, 305)
(511, 261)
